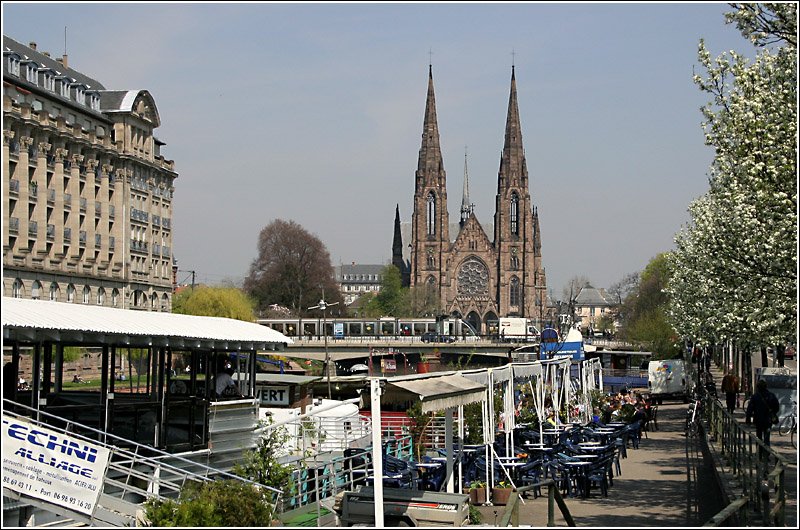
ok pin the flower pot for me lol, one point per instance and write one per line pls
(423, 367)
(500, 496)
(477, 496)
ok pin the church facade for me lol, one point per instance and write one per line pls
(476, 276)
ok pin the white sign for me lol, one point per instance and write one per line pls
(52, 466)
(274, 395)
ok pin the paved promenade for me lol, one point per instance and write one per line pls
(663, 484)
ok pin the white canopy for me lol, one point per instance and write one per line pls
(39, 320)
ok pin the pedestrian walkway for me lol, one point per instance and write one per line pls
(664, 483)
(780, 444)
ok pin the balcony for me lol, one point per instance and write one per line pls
(98, 209)
(68, 201)
(33, 228)
(13, 186)
(112, 241)
(51, 196)
(51, 232)
(82, 237)
(67, 235)
(82, 202)
(138, 246)
(13, 225)
(98, 241)
(111, 211)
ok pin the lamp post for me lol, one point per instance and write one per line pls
(324, 306)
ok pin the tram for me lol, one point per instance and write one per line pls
(381, 327)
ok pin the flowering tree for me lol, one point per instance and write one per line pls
(735, 266)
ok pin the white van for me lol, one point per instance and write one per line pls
(668, 379)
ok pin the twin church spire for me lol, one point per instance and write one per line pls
(473, 276)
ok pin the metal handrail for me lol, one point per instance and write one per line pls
(749, 459)
(140, 469)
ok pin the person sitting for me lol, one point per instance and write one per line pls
(224, 385)
(77, 379)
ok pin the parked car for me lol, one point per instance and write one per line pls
(431, 336)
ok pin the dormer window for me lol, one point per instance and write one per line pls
(48, 80)
(80, 95)
(13, 65)
(30, 73)
(64, 87)
(94, 100)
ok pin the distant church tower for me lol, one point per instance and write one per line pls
(397, 251)
(475, 278)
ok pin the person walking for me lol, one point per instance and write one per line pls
(730, 385)
(763, 407)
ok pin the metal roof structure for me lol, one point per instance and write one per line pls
(437, 392)
(33, 321)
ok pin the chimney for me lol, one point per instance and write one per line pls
(64, 61)
(32, 45)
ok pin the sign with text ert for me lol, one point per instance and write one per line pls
(52, 466)
(274, 395)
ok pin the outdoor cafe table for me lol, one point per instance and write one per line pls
(579, 469)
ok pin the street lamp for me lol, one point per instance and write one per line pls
(324, 306)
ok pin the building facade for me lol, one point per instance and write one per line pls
(355, 280)
(591, 305)
(477, 277)
(87, 194)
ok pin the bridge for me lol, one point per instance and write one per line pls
(358, 347)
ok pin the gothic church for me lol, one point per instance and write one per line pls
(474, 277)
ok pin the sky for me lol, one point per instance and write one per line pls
(312, 112)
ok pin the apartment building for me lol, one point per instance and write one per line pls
(87, 194)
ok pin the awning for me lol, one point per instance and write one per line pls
(31, 321)
(436, 393)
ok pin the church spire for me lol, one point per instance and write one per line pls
(430, 153)
(513, 170)
(466, 207)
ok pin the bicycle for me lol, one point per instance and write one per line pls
(693, 416)
(788, 425)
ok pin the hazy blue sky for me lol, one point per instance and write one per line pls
(313, 113)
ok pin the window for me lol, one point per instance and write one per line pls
(70, 293)
(114, 298)
(514, 214)
(86, 294)
(54, 292)
(65, 87)
(36, 105)
(13, 65)
(49, 81)
(30, 73)
(16, 290)
(36, 290)
(514, 292)
(101, 296)
(473, 278)
(430, 220)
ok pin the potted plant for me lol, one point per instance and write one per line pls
(424, 364)
(477, 492)
(501, 492)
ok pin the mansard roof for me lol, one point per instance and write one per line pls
(590, 296)
(131, 101)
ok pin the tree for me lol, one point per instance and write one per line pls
(228, 302)
(390, 299)
(735, 267)
(293, 269)
(574, 286)
(643, 315)
(228, 503)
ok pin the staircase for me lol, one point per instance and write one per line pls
(135, 474)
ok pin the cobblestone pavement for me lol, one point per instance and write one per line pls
(664, 483)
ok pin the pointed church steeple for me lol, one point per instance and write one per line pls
(466, 207)
(397, 250)
(430, 152)
(513, 168)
